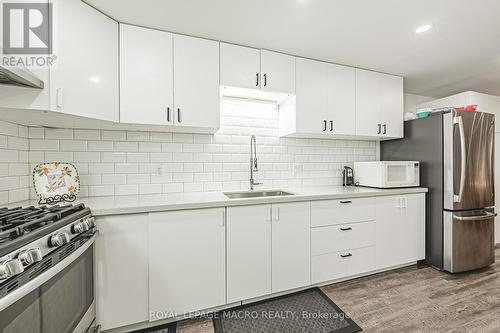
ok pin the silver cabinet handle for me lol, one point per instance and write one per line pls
(257, 75)
(168, 114)
(385, 128)
(346, 255)
(265, 80)
(459, 121)
(324, 125)
(331, 125)
(179, 115)
(486, 216)
(379, 128)
(346, 202)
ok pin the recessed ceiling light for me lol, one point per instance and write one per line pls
(423, 28)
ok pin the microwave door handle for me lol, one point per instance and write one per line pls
(459, 121)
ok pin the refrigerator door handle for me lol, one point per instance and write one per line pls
(486, 216)
(459, 121)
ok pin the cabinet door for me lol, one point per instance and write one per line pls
(312, 96)
(291, 246)
(186, 261)
(84, 81)
(239, 66)
(248, 252)
(342, 99)
(277, 72)
(196, 82)
(146, 76)
(121, 256)
(379, 100)
(400, 229)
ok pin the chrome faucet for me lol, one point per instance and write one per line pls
(253, 161)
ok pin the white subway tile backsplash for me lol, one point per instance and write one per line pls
(149, 147)
(43, 145)
(100, 190)
(114, 157)
(126, 189)
(73, 145)
(114, 135)
(3, 141)
(10, 129)
(87, 134)
(138, 162)
(36, 133)
(126, 146)
(87, 157)
(161, 137)
(138, 157)
(126, 168)
(101, 168)
(149, 188)
(53, 156)
(114, 179)
(99, 146)
(58, 133)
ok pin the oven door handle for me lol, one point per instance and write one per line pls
(37, 282)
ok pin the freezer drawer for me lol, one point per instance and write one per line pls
(469, 240)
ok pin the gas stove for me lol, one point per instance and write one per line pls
(47, 269)
(27, 234)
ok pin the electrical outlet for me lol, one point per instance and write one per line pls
(297, 168)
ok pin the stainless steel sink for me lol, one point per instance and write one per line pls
(256, 194)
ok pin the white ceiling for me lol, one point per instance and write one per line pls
(461, 52)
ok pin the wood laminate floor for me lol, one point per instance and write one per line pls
(413, 300)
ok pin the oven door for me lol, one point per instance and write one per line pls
(59, 300)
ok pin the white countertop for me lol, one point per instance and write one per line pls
(114, 205)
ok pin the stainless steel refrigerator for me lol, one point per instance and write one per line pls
(456, 154)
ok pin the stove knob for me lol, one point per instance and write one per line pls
(10, 267)
(91, 222)
(30, 256)
(59, 239)
(80, 227)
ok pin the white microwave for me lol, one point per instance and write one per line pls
(387, 174)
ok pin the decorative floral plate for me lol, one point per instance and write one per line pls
(55, 182)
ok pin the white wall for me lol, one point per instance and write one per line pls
(412, 100)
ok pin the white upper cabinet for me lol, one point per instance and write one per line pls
(196, 82)
(379, 105)
(84, 81)
(341, 100)
(312, 96)
(146, 76)
(277, 72)
(325, 101)
(240, 66)
(245, 67)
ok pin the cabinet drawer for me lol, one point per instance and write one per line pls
(338, 265)
(341, 237)
(333, 212)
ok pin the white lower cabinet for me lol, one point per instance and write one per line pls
(121, 255)
(268, 249)
(186, 261)
(331, 266)
(400, 235)
(248, 252)
(291, 244)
